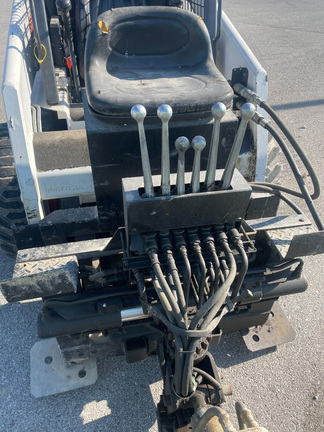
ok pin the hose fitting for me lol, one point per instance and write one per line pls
(248, 94)
(150, 243)
(165, 241)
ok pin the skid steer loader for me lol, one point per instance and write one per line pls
(139, 209)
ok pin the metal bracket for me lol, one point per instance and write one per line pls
(51, 374)
(275, 331)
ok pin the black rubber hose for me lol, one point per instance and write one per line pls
(180, 245)
(242, 272)
(139, 276)
(211, 246)
(187, 275)
(216, 301)
(166, 289)
(177, 283)
(208, 312)
(194, 285)
(164, 301)
(212, 278)
(202, 268)
(304, 192)
(219, 301)
(245, 262)
(296, 146)
(208, 377)
(179, 341)
(263, 188)
(254, 98)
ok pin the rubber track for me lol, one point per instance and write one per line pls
(11, 208)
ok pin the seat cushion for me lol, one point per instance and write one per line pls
(150, 56)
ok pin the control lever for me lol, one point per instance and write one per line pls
(138, 112)
(181, 144)
(247, 112)
(198, 144)
(218, 111)
(165, 112)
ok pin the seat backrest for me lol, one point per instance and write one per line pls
(148, 38)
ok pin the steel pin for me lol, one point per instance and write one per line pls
(218, 111)
(181, 144)
(138, 112)
(165, 112)
(198, 144)
(247, 112)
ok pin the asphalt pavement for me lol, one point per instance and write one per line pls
(283, 386)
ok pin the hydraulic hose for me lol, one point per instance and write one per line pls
(205, 320)
(195, 245)
(177, 283)
(222, 293)
(296, 147)
(184, 333)
(212, 277)
(187, 275)
(202, 268)
(245, 262)
(166, 289)
(269, 189)
(194, 283)
(139, 276)
(164, 301)
(173, 310)
(207, 313)
(217, 385)
(304, 192)
(210, 243)
(254, 98)
(216, 301)
(178, 340)
(180, 245)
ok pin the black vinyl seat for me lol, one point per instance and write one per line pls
(151, 55)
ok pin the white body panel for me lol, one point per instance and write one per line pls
(232, 52)
(16, 90)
